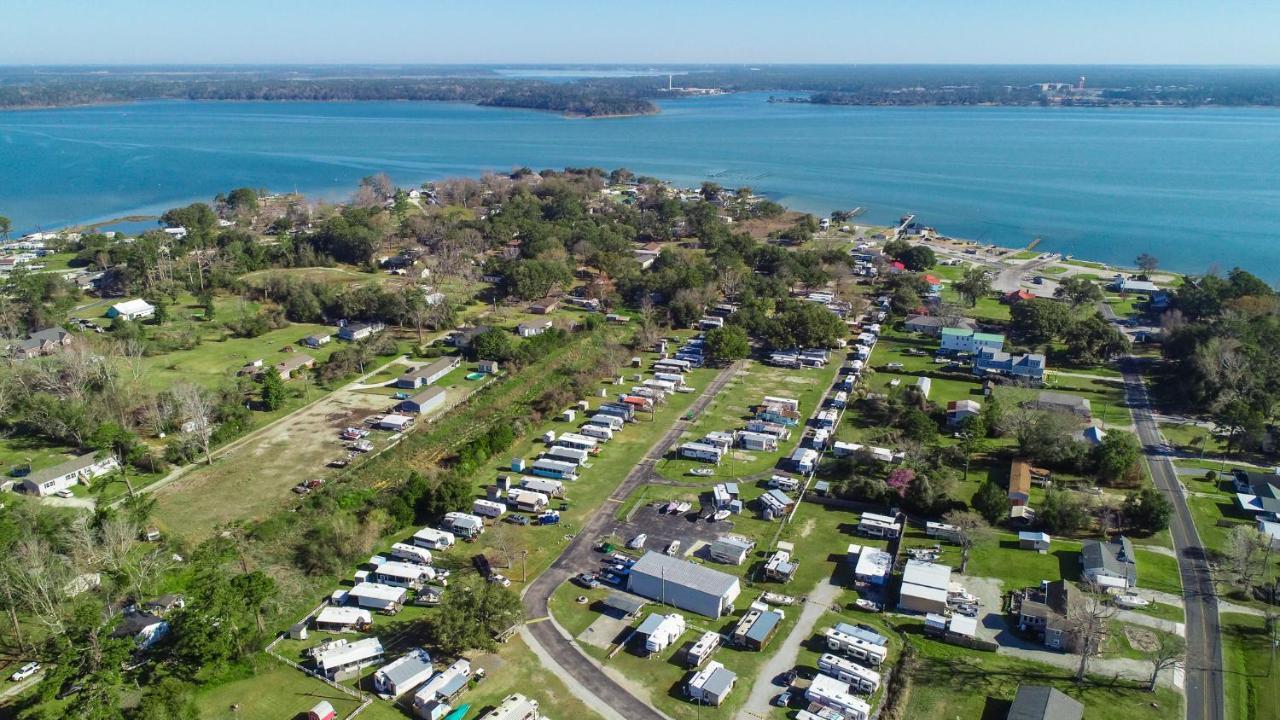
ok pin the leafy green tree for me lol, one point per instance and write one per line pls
(6, 226)
(533, 279)
(472, 615)
(1048, 438)
(918, 258)
(992, 415)
(1094, 340)
(1062, 513)
(991, 501)
(169, 699)
(274, 393)
(917, 425)
(1038, 321)
(206, 302)
(1241, 422)
(1147, 510)
(1116, 454)
(1147, 262)
(975, 284)
(111, 438)
(452, 493)
(727, 344)
(243, 200)
(1078, 291)
(494, 344)
(973, 439)
(85, 654)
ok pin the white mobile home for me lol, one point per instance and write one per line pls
(464, 524)
(566, 454)
(528, 500)
(62, 476)
(675, 378)
(613, 422)
(804, 460)
(402, 574)
(344, 661)
(600, 432)
(827, 419)
(854, 647)
(403, 674)
(434, 539)
(881, 526)
(731, 549)
(554, 488)
(488, 508)
(757, 441)
(411, 553)
(789, 403)
(337, 619)
(712, 684)
(840, 400)
(701, 650)
(377, 596)
(701, 452)
(860, 679)
(443, 687)
(576, 441)
(830, 692)
(659, 631)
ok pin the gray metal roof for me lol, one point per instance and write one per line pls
(626, 604)
(720, 682)
(675, 571)
(1041, 702)
(650, 624)
(1115, 557)
(763, 625)
(407, 668)
(75, 464)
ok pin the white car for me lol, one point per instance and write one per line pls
(637, 542)
(673, 548)
(25, 671)
(64, 493)
(500, 579)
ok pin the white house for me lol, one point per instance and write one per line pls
(403, 674)
(343, 661)
(660, 631)
(81, 469)
(377, 596)
(712, 684)
(136, 309)
(342, 619)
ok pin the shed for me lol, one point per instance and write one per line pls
(1037, 541)
(424, 401)
(322, 711)
(625, 605)
(1041, 702)
(395, 423)
(924, 587)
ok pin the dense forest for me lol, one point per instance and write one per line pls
(837, 85)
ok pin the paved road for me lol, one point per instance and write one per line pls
(579, 556)
(784, 658)
(1010, 278)
(1204, 638)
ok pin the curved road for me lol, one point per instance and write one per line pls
(579, 557)
(1204, 636)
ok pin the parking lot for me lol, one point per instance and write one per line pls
(663, 528)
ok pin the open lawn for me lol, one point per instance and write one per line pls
(325, 275)
(1017, 568)
(1157, 571)
(730, 411)
(1191, 438)
(1252, 682)
(954, 682)
(274, 691)
(1106, 398)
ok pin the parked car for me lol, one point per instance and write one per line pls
(673, 548)
(587, 580)
(64, 493)
(25, 671)
(499, 579)
(894, 366)
(637, 542)
(517, 519)
(611, 579)
(783, 699)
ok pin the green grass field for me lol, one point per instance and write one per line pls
(1157, 571)
(1252, 682)
(954, 682)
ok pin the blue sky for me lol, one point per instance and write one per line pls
(646, 31)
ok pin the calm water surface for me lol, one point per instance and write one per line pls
(1194, 187)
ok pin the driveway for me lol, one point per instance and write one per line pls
(784, 657)
(584, 676)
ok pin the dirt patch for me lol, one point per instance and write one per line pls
(1141, 639)
(744, 457)
(807, 527)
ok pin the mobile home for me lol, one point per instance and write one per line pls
(554, 469)
(611, 421)
(854, 647)
(599, 432)
(411, 553)
(757, 441)
(402, 574)
(576, 441)
(377, 596)
(528, 500)
(488, 508)
(702, 650)
(701, 452)
(345, 661)
(433, 539)
(860, 679)
(464, 524)
(403, 674)
(546, 486)
(567, 454)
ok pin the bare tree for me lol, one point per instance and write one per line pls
(40, 579)
(1090, 622)
(971, 529)
(1169, 653)
(1246, 548)
(195, 410)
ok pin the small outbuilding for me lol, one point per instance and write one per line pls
(1037, 541)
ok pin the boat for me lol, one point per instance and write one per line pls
(720, 515)
(670, 507)
(867, 605)
(683, 508)
(1132, 601)
(777, 599)
(702, 472)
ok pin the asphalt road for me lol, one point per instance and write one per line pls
(1204, 637)
(1010, 278)
(579, 557)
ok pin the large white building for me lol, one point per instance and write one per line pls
(681, 583)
